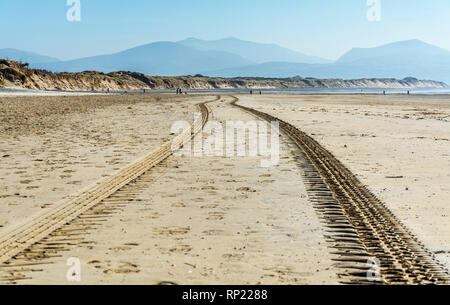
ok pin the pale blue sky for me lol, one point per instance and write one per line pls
(326, 28)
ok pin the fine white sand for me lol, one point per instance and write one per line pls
(399, 146)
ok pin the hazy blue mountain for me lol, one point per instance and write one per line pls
(397, 60)
(160, 58)
(29, 57)
(230, 58)
(408, 50)
(257, 52)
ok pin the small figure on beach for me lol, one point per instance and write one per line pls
(251, 91)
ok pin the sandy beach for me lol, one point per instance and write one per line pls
(214, 220)
(54, 147)
(399, 146)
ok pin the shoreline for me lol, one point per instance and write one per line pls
(14, 91)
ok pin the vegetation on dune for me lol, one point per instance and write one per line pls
(17, 74)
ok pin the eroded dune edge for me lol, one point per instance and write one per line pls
(18, 75)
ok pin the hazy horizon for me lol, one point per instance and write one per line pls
(305, 26)
(218, 39)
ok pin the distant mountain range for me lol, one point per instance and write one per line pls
(29, 57)
(159, 58)
(411, 58)
(232, 57)
(256, 52)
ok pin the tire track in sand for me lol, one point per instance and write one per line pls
(19, 239)
(361, 227)
(202, 221)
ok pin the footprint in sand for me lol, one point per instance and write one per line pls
(216, 216)
(209, 188)
(125, 247)
(233, 257)
(178, 205)
(209, 206)
(132, 244)
(97, 264)
(246, 190)
(172, 231)
(120, 249)
(75, 182)
(213, 232)
(181, 249)
(123, 268)
(267, 181)
(265, 176)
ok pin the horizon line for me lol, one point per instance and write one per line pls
(225, 38)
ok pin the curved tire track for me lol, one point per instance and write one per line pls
(361, 227)
(22, 237)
